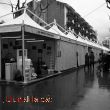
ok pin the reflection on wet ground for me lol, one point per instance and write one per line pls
(97, 96)
(80, 90)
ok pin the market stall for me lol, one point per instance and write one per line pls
(27, 49)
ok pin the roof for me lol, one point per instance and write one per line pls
(80, 39)
(71, 36)
(30, 26)
(23, 18)
(54, 29)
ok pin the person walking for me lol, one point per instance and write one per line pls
(86, 61)
(92, 60)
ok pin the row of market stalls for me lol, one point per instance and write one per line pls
(27, 50)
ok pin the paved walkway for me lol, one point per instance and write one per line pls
(97, 97)
(78, 90)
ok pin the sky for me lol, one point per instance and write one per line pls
(94, 12)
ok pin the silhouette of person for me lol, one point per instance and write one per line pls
(92, 60)
(86, 61)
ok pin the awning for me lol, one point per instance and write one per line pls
(19, 20)
(80, 39)
(71, 36)
(54, 29)
(30, 26)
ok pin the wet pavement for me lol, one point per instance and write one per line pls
(79, 90)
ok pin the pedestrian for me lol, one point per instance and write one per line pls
(107, 62)
(100, 58)
(91, 60)
(86, 61)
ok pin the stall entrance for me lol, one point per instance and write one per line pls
(40, 56)
(8, 57)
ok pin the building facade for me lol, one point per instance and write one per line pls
(65, 16)
(106, 43)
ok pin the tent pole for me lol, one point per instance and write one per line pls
(0, 58)
(23, 56)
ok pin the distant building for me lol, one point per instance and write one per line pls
(106, 43)
(65, 16)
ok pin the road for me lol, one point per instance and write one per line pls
(78, 90)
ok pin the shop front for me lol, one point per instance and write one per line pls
(27, 52)
(36, 52)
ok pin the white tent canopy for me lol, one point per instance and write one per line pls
(23, 18)
(54, 29)
(105, 48)
(30, 26)
(80, 39)
(71, 36)
(15, 25)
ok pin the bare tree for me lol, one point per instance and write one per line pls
(108, 3)
(41, 8)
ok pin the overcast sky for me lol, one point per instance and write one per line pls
(95, 13)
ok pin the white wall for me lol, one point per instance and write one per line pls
(81, 54)
(68, 57)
